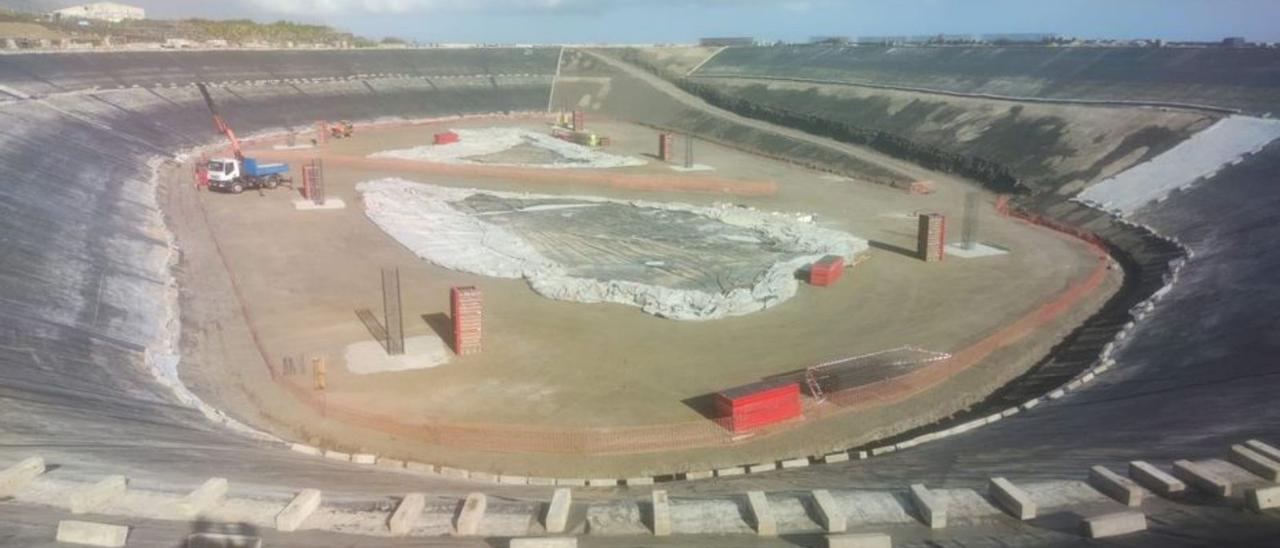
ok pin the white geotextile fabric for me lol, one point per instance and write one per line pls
(1199, 156)
(482, 142)
(419, 217)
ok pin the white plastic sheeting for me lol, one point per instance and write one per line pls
(475, 143)
(1198, 157)
(421, 218)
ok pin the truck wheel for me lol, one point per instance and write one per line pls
(272, 182)
(237, 188)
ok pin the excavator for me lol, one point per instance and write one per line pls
(342, 130)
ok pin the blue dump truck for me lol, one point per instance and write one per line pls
(236, 176)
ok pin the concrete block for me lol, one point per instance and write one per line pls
(1263, 498)
(730, 472)
(456, 473)
(16, 478)
(762, 467)
(762, 514)
(830, 517)
(1255, 463)
(472, 514)
(220, 540)
(1114, 485)
(95, 496)
(393, 464)
(407, 513)
(1011, 499)
(835, 457)
(364, 458)
(1155, 479)
(602, 482)
(861, 540)
(661, 513)
(699, 475)
(639, 481)
(1010, 412)
(883, 450)
(558, 511)
(513, 480)
(544, 542)
(795, 463)
(542, 481)
(483, 477)
(1204, 480)
(862, 455)
(1030, 404)
(1111, 525)
(420, 467)
(208, 495)
(91, 534)
(299, 509)
(337, 455)
(1264, 449)
(932, 509)
(571, 482)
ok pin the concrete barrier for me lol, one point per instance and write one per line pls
(1200, 478)
(795, 463)
(484, 477)
(1155, 479)
(1013, 500)
(762, 467)
(456, 473)
(661, 514)
(364, 458)
(1263, 498)
(634, 482)
(394, 464)
(337, 455)
(1255, 463)
(932, 509)
(506, 479)
(306, 449)
(544, 482)
(1111, 525)
(220, 540)
(558, 511)
(861, 540)
(407, 514)
(836, 457)
(97, 495)
(699, 475)
(830, 517)
(17, 477)
(1114, 485)
(544, 542)
(208, 495)
(468, 522)
(298, 510)
(1266, 450)
(762, 514)
(571, 482)
(419, 467)
(91, 534)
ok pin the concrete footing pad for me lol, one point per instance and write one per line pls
(1201, 478)
(1155, 479)
(557, 517)
(16, 478)
(661, 514)
(1111, 525)
(407, 514)
(545, 542)
(308, 205)
(1113, 485)
(931, 508)
(762, 514)
(87, 533)
(1256, 463)
(1263, 498)
(208, 495)
(830, 516)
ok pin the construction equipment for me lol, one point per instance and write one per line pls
(238, 174)
(342, 130)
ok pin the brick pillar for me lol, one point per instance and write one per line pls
(579, 120)
(468, 311)
(931, 238)
(665, 142)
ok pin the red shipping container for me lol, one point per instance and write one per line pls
(759, 404)
(826, 270)
(446, 138)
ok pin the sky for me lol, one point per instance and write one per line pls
(649, 21)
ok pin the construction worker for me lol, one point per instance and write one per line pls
(202, 175)
(319, 369)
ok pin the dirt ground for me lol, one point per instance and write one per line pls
(262, 282)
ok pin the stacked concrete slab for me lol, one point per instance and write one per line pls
(931, 237)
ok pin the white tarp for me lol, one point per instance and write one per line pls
(1200, 156)
(421, 218)
(475, 143)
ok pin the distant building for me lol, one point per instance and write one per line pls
(1234, 42)
(830, 40)
(731, 41)
(102, 11)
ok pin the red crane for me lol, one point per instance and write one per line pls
(220, 123)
